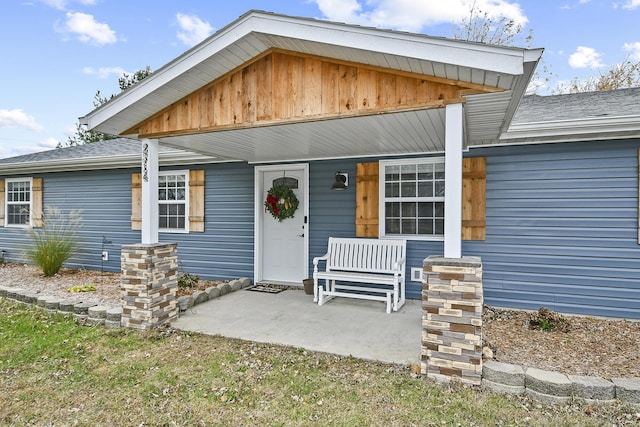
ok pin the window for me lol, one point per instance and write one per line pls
(18, 198)
(173, 201)
(412, 198)
(180, 205)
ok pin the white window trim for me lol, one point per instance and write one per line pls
(184, 172)
(6, 202)
(381, 198)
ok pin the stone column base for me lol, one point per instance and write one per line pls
(452, 319)
(149, 285)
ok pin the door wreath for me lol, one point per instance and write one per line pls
(281, 202)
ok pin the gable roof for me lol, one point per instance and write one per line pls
(487, 115)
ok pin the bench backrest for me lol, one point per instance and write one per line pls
(369, 255)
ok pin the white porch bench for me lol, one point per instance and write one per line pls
(367, 261)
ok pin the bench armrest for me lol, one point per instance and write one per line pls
(318, 259)
(399, 263)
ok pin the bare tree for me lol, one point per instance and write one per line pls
(478, 26)
(618, 76)
(84, 136)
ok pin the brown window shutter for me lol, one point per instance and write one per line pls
(367, 199)
(36, 202)
(2, 202)
(136, 201)
(196, 200)
(474, 178)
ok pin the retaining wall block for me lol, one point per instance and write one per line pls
(67, 306)
(503, 377)
(114, 314)
(185, 302)
(199, 297)
(235, 285)
(547, 386)
(52, 304)
(628, 390)
(213, 292)
(42, 300)
(12, 292)
(225, 288)
(592, 389)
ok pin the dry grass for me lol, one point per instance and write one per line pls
(57, 373)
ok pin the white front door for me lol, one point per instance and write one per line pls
(281, 246)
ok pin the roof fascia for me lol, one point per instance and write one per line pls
(562, 128)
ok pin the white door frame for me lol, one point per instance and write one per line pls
(259, 211)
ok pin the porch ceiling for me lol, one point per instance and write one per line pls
(385, 134)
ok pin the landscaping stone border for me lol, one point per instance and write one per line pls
(556, 388)
(188, 301)
(111, 316)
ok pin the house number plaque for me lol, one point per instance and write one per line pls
(145, 162)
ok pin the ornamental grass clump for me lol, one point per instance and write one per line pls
(55, 241)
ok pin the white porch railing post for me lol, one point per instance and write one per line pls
(149, 191)
(454, 136)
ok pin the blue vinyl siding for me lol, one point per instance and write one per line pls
(104, 201)
(562, 224)
(225, 249)
(562, 228)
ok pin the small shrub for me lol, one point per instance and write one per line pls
(188, 280)
(547, 320)
(55, 241)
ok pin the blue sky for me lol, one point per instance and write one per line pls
(57, 53)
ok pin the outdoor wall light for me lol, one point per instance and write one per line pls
(342, 181)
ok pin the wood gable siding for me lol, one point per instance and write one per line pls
(284, 86)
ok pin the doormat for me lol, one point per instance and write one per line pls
(268, 289)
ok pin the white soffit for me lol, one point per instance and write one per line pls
(410, 132)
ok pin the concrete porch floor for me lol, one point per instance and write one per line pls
(343, 326)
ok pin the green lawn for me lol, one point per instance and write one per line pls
(55, 372)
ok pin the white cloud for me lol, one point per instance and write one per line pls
(192, 29)
(631, 4)
(48, 144)
(18, 119)
(585, 57)
(413, 15)
(45, 144)
(634, 50)
(104, 72)
(88, 30)
(62, 4)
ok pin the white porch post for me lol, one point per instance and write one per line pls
(149, 191)
(454, 135)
